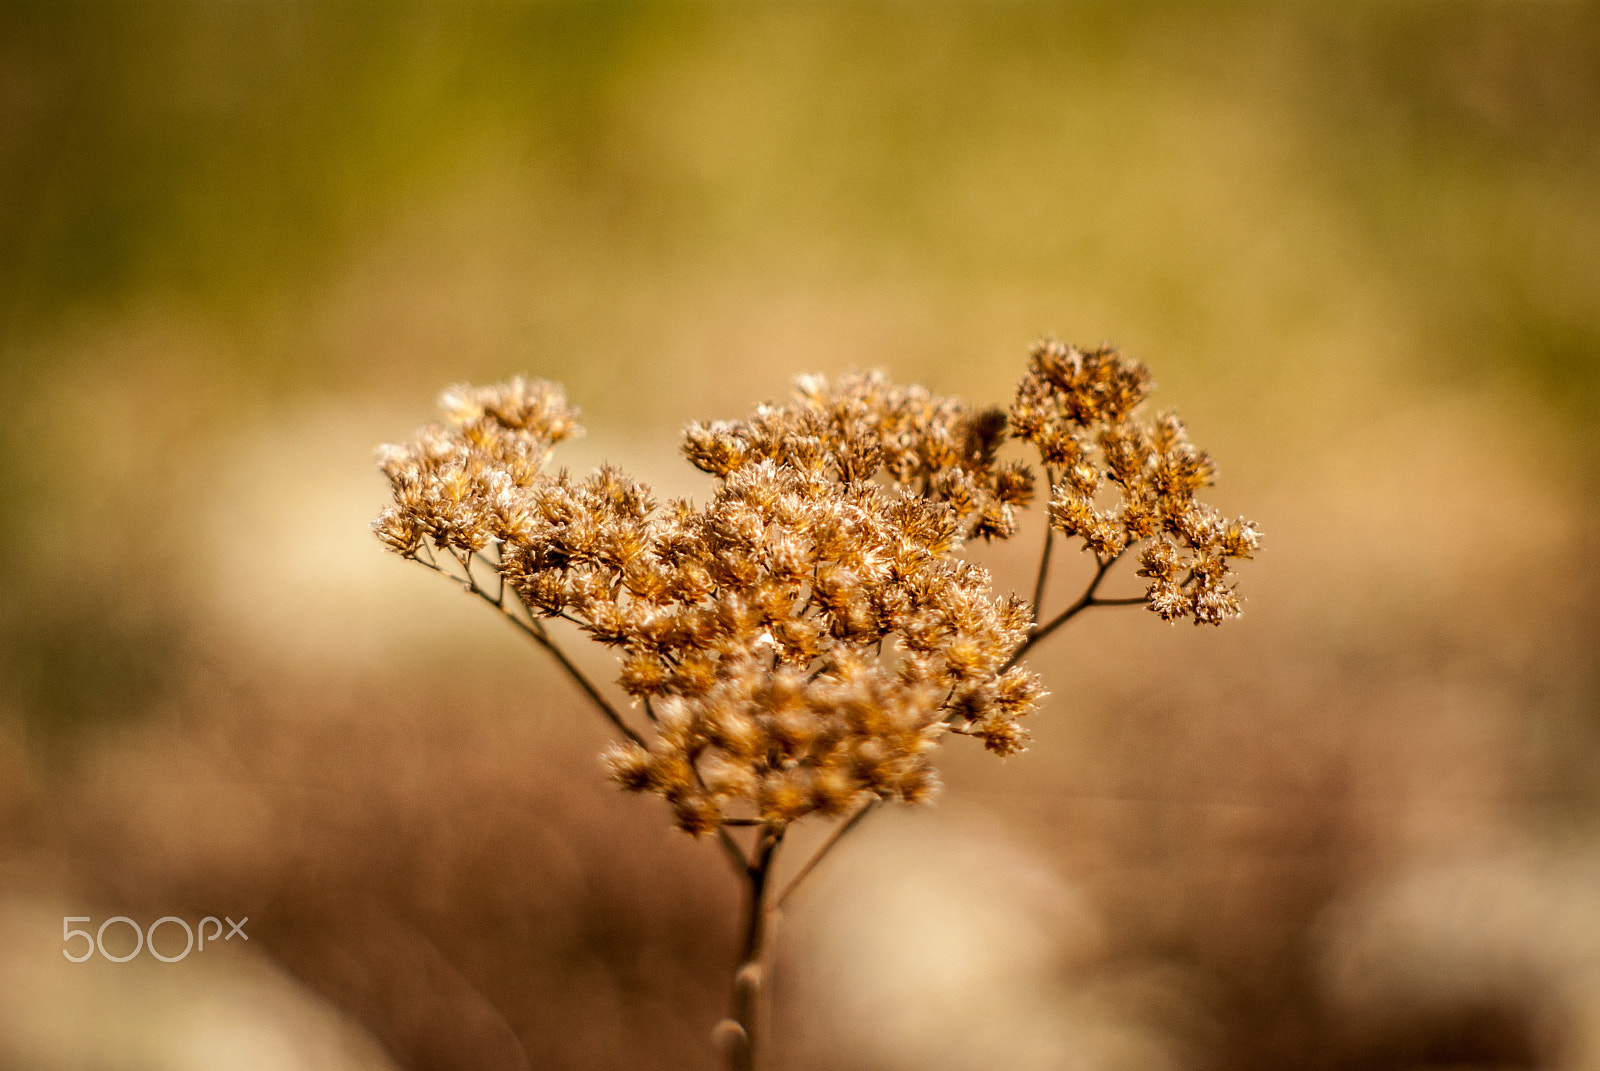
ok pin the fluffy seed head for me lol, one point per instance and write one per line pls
(804, 638)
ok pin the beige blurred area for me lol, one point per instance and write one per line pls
(1358, 244)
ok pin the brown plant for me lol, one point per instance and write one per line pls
(802, 642)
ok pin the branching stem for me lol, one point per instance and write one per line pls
(740, 1032)
(1085, 601)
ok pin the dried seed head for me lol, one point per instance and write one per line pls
(1079, 409)
(805, 636)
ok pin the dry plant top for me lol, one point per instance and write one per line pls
(802, 641)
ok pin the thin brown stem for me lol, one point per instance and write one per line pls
(1085, 601)
(736, 856)
(537, 634)
(735, 853)
(838, 834)
(493, 564)
(425, 549)
(589, 689)
(739, 1033)
(1044, 555)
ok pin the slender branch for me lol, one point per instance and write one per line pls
(838, 834)
(736, 856)
(1085, 601)
(537, 634)
(1044, 555)
(741, 864)
(424, 548)
(494, 564)
(583, 682)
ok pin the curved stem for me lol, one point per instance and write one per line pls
(583, 682)
(838, 834)
(537, 634)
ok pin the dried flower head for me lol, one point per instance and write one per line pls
(802, 640)
(1077, 407)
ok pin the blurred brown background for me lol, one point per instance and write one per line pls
(1359, 243)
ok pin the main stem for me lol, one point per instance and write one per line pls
(740, 1032)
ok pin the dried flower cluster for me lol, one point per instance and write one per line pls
(802, 640)
(1077, 407)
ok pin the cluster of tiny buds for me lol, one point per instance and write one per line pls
(801, 641)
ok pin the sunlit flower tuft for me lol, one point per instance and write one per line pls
(802, 640)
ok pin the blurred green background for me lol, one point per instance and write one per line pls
(1358, 243)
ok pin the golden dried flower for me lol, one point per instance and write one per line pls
(803, 639)
(1078, 408)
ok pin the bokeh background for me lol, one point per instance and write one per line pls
(243, 243)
